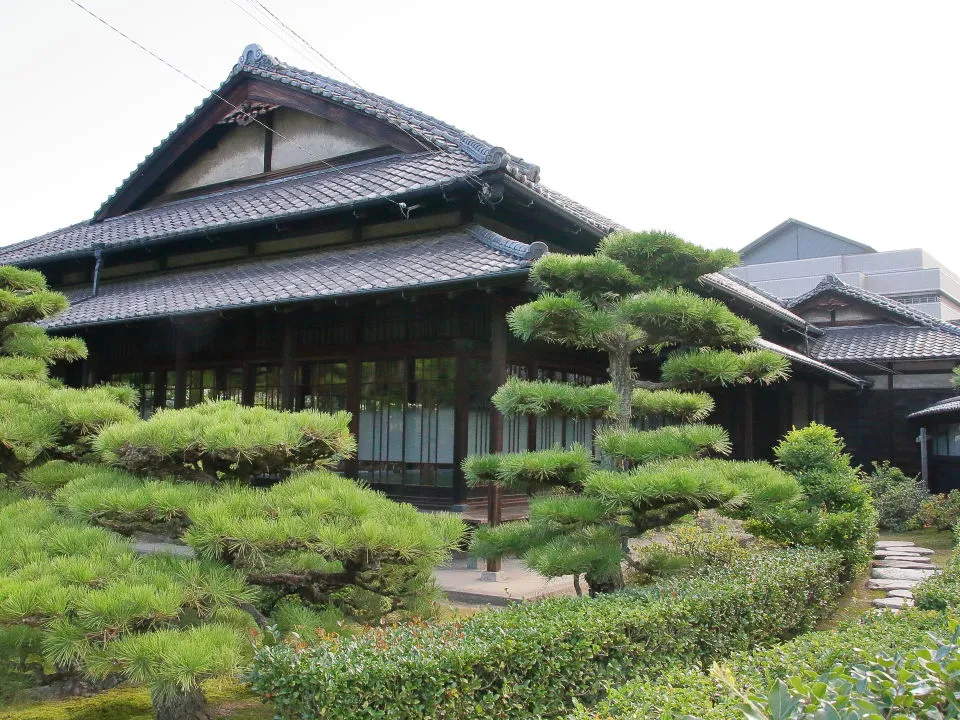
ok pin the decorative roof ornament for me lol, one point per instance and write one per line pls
(254, 56)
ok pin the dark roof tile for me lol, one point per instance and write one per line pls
(884, 342)
(435, 258)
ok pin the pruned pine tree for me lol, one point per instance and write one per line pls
(631, 297)
(313, 553)
(39, 419)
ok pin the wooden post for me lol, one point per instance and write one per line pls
(498, 376)
(352, 466)
(289, 365)
(924, 460)
(180, 370)
(748, 449)
(461, 427)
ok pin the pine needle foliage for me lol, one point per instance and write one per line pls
(219, 441)
(632, 296)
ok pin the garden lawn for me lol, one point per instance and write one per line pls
(227, 699)
(858, 599)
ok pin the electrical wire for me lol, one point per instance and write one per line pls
(401, 206)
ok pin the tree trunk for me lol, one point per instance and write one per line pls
(191, 705)
(597, 586)
(621, 376)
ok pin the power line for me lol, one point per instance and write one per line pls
(401, 206)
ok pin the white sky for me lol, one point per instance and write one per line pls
(716, 120)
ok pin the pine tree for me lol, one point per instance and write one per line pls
(630, 299)
(313, 553)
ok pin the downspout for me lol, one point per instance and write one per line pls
(98, 264)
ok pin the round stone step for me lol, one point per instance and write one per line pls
(888, 573)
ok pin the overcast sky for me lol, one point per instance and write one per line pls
(716, 120)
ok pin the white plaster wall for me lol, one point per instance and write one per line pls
(938, 381)
(313, 138)
(238, 154)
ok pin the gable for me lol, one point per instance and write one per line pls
(794, 240)
(835, 309)
(242, 151)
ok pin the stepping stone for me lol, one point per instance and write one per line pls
(901, 556)
(903, 564)
(913, 552)
(889, 573)
(875, 584)
(894, 543)
(901, 594)
(892, 602)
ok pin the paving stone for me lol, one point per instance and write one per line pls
(878, 584)
(904, 564)
(894, 543)
(892, 602)
(901, 594)
(888, 573)
(912, 552)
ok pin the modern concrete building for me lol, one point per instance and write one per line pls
(792, 258)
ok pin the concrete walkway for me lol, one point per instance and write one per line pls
(463, 583)
(898, 567)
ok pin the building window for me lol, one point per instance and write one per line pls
(406, 422)
(268, 387)
(562, 431)
(946, 440)
(322, 386)
(143, 383)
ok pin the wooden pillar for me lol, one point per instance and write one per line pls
(498, 376)
(532, 371)
(748, 449)
(352, 466)
(160, 389)
(180, 370)
(461, 426)
(289, 365)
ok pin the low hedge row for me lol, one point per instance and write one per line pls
(535, 660)
(688, 691)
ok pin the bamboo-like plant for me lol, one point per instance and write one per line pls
(633, 296)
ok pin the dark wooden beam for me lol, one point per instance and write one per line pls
(461, 425)
(267, 143)
(260, 90)
(287, 359)
(748, 445)
(180, 370)
(498, 376)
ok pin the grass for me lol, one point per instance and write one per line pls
(227, 698)
(858, 598)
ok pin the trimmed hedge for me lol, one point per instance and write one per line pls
(534, 660)
(690, 691)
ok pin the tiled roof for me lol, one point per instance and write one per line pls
(273, 200)
(467, 253)
(450, 155)
(752, 295)
(884, 342)
(950, 405)
(833, 284)
(812, 363)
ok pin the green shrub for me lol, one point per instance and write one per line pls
(836, 510)
(896, 497)
(942, 591)
(223, 441)
(922, 681)
(532, 660)
(686, 691)
(941, 512)
(685, 547)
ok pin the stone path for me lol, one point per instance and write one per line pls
(898, 566)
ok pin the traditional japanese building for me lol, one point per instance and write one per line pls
(301, 243)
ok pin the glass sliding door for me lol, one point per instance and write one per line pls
(143, 383)
(322, 386)
(406, 422)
